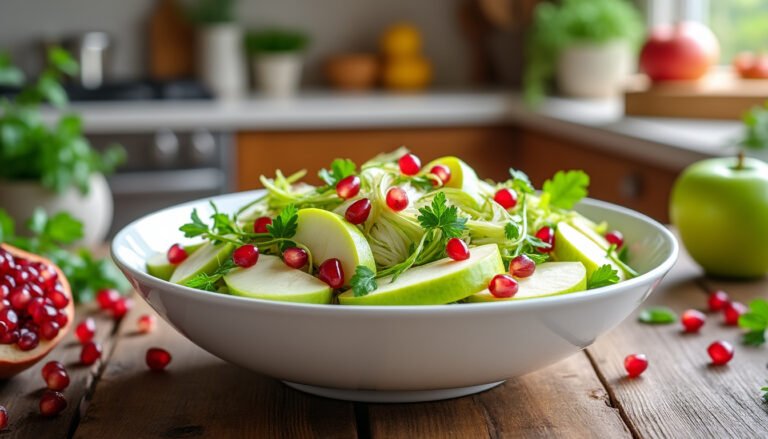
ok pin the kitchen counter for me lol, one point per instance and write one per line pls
(668, 142)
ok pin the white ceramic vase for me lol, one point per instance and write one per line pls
(221, 61)
(278, 75)
(594, 70)
(94, 210)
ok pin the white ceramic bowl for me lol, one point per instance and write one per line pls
(395, 353)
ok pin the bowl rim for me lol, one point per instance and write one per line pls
(657, 272)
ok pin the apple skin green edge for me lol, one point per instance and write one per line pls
(462, 175)
(271, 279)
(421, 286)
(159, 266)
(205, 260)
(549, 279)
(574, 246)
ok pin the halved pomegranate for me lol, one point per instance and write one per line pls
(22, 342)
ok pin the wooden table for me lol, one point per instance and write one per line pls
(587, 395)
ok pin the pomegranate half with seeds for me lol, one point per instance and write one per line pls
(23, 342)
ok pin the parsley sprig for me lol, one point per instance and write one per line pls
(340, 169)
(755, 321)
(602, 277)
(363, 281)
(211, 282)
(565, 189)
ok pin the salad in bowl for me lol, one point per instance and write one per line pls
(394, 232)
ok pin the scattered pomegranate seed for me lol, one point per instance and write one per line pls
(57, 379)
(52, 403)
(28, 340)
(50, 367)
(157, 358)
(693, 320)
(295, 257)
(409, 164)
(246, 255)
(85, 330)
(615, 237)
(348, 187)
(546, 234)
(331, 273)
(522, 266)
(397, 199)
(503, 286)
(261, 223)
(732, 312)
(49, 330)
(442, 172)
(121, 307)
(720, 352)
(717, 300)
(635, 364)
(90, 354)
(177, 254)
(146, 323)
(507, 198)
(3, 418)
(358, 211)
(107, 298)
(457, 249)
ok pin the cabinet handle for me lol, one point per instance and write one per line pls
(631, 186)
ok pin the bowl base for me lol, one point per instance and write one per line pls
(391, 396)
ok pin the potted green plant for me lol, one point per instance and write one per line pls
(277, 60)
(51, 165)
(221, 64)
(754, 140)
(586, 45)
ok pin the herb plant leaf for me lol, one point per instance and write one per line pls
(566, 189)
(660, 315)
(439, 216)
(340, 169)
(284, 226)
(602, 277)
(363, 281)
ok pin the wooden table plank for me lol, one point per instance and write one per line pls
(21, 394)
(200, 396)
(681, 394)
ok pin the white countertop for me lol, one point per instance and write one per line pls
(669, 142)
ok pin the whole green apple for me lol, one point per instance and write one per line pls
(720, 207)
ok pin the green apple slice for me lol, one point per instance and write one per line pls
(159, 266)
(436, 283)
(573, 245)
(589, 228)
(549, 279)
(462, 175)
(271, 279)
(328, 235)
(205, 260)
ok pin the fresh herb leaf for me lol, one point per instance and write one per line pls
(340, 169)
(660, 315)
(753, 338)
(511, 231)
(520, 181)
(421, 182)
(566, 189)
(439, 216)
(63, 228)
(210, 282)
(602, 277)
(222, 223)
(624, 254)
(363, 281)
(284, 226)
(7, 226)
(195, 228)
(765, 393)
(756, 321)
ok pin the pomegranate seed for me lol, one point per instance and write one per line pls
(49, 330)
(10, 337)
(615, 237)
(3, 418)
(635, 364)
(50, 367)
(348, 187)
(52, 403)
(90, 354)
(732, 312)
(20, 298)
(245, 256)
(522, 266)
(331, 273)
(57, 379)
(358, 211)
(157, 359)
(3, 328)
(10, 318)
(397, 199)
(692, 320)
(177, 254)
(442, 172)
(107, 298)
(85, 330)
(62, 318)
(4, 291)
(720, 352)
(45, 313)
(457, 249)
(28, 340)
(507, 198)
(34, 304)
(409, 164)
(546, 234)
(121, 307)
(58, 298)
(717, 300)
(295, 257)
(503, 286)
(261, 223)
(146, 323)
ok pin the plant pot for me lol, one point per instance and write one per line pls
(594, 70)
(352, 71)
(278, 75)
(221, 64)
(94, 210)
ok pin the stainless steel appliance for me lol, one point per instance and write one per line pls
(166, 167)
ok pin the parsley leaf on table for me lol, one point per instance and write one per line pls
(363, 281)
(439, 216)
(566, 189)
(602, 277)
(765, 393)
(755, 321)
(340, 169)
(659, 315)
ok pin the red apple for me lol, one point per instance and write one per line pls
(681, 52)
